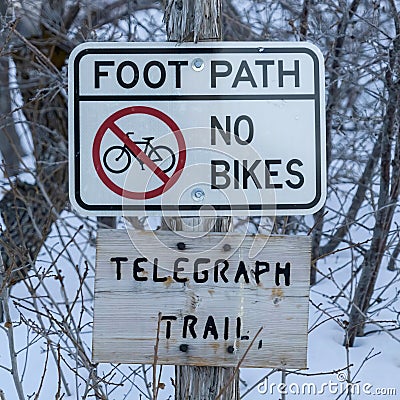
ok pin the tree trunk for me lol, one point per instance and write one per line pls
(388, 196)
(332, 104)
(193, 20)
(203, 383)
(29, 209)
(10, 144)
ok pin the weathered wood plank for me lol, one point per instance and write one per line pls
(208, 308)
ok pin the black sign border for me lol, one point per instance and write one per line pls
(177, 50)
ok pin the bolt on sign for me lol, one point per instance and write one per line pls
(226, 128)
(201, 299)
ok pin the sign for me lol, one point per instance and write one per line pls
(131, 149)
(218, 128)
(201, 300)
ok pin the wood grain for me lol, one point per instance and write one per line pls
(126, 309)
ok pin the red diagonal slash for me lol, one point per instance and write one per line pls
(167, 181)
(138, 152)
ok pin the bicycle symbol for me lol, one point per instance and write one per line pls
(117, 159)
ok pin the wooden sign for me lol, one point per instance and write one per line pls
(201, 299)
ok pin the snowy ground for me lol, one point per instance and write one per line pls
(375, 360)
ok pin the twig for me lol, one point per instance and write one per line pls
(317, 222)
(342, 249)
(284, 375)
(155, 386)
(146, 383)
(304, 20)
(11, 346)
(368, 357)
(258, 382)
(58, 394)
(40, 317)
(44, 371)
(221, 392)
(2, 288)
(333, 372)
(325, 320)
(45, 60)
(367, 318)
(318, 307)
(159, 380)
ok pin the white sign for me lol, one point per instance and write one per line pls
(226, 128)
(201, 300)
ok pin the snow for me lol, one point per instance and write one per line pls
(374, 360)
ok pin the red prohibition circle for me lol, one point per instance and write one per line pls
(109, 123)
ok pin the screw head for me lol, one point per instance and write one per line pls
(197, 64)
(198, 194)
(230, 349)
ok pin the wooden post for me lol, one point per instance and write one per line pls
(193, 20)
(203, 383)
(107, 222)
